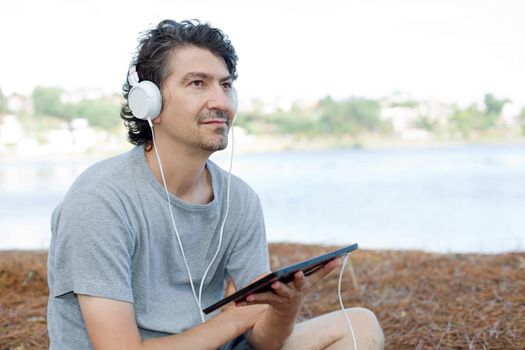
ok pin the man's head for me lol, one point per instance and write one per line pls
(154, 61)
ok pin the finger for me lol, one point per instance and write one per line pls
(262, 298)
(299, 280)
(332, 264)
(256, 297)
(282, 289)
(325, 270)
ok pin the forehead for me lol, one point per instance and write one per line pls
(193, 59)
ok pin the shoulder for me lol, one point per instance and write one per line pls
(101, 194)
(107, 183)
(107, 173)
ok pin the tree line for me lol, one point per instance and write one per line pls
(350, 117)
(101, 112)
(355, 115)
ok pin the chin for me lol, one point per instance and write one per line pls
(218, 145)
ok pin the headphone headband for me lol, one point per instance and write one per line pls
(133, 77)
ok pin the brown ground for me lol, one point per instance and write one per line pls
(422, 300)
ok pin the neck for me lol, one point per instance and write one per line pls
(184, 171)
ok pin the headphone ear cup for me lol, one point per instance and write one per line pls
(145, 100)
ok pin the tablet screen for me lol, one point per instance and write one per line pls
(284, 275)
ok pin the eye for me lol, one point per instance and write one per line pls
(227, 85)
(197, 83)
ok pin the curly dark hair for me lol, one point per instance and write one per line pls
(153, 58)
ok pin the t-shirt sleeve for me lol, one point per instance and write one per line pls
(93, 248)
(249, 258)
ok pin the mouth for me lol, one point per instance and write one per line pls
(214, 118)
(215, 121)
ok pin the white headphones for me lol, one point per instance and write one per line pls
(144, 98)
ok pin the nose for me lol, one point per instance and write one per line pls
(222, 99)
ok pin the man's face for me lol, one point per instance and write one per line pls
(199, 102)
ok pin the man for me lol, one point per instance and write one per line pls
(118, 275)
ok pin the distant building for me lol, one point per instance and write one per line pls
(436, 111)
(510, 115)
(11, 130)
(78, 95)
(17, 103)
(406, 116)
(401, 118)
(77, 137)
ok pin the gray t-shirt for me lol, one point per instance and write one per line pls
(112, 237)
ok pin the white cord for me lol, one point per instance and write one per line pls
(197, 299)
(341, 301)
(224, 221)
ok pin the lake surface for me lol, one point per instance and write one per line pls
(454, 199)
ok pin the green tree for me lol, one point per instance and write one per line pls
(47, 101)
(493, 106)
(425, 123)
(253, 121)
(365, 113)
(349, 117)
(295, 121)
(330, 115)
(3, 102)
(406, 103)
(102, 112)
(470, 119)
(99, 113)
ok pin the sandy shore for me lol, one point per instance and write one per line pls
(422, 300)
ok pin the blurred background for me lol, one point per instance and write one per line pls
(394, 124)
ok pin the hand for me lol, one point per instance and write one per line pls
(286, 299)
(245, 317)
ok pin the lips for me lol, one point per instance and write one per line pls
(214, 121)
(213, 118)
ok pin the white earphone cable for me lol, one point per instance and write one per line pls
(172, 218)
(197, 299)
(225, 216)
(341, 301)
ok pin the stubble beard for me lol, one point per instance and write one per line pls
(219, 140)
(216, 142)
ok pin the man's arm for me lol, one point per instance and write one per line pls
(275, 325)
(111, 325)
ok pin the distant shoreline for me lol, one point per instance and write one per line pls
(261, 144)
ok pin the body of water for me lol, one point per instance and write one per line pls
(454, 199)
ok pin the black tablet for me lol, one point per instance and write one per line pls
(285, 275)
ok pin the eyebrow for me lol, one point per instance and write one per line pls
(203, 76)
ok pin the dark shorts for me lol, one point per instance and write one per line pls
(239, 343)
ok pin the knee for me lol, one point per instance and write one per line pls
(367, 328)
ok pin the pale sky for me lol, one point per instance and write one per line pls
(451, 50)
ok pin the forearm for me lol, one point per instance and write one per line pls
(271, 330)
(210, 335)
(111, 325)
